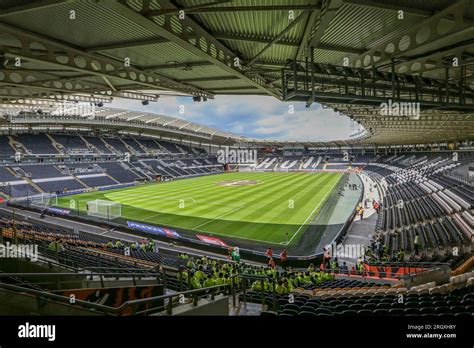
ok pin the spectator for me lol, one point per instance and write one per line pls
(336, 263)
(199, 274)
(326, 257)
(344, 268)
(271, 263)
(191, 263)
(55, 245)
(220, 279)
(360, 266)
(283, 257)
(269, 253)
(416, 243)
(209, 281)
(377, 206)
(235, 254)
(280, 289)
(151, 245)
(195, 283)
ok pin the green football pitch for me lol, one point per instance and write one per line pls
(264, 207)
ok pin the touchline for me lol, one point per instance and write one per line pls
(37, 331)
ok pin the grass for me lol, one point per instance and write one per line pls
(276, 208)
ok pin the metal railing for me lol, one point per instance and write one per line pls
(130, 307)
(101, 276)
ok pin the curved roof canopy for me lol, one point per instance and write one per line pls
(351, 55)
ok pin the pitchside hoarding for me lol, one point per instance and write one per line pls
(211, 240)
(153, 229)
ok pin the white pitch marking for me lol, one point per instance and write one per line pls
(311, 214)
(218, 217)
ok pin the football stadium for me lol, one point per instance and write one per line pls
(164, 160)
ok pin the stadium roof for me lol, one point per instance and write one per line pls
(363, 51)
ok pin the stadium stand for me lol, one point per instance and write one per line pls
(5, 147)
(133, 145)
(98, 144)
(316, 293)
(119, 171)
(36, 144)
(419, 198)
(57, 175)
(72, 143)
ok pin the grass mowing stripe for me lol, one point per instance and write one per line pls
(257, 199)
(253, 192)
(216, 195)
(296, 214)
(314, 210)
(277, 194)
(176, 199)
(217, 218)
(262, 215)
(271, 231)
(303, 201)
(152, 213)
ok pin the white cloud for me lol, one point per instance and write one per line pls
(253, 116)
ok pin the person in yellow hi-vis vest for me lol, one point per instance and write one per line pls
(416, 243)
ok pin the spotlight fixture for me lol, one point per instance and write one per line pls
(145, 102)
(204, 99)
(197, 98)
(100, 104)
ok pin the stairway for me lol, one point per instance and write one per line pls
(59, 147)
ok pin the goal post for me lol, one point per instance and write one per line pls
(246, 167)
(104, 209)
(44, 200)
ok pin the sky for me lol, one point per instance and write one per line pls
(261, 117)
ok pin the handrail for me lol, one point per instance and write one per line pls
(119, 268)
(407, 263)
(125, 305)
(107, 309)
(52, 296)
(113, 274)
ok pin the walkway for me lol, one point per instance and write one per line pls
(361, 231)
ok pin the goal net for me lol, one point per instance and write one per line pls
(245, 167)
(104, 209)
(284, 170)
(44, 200)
